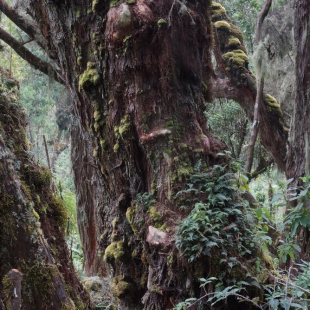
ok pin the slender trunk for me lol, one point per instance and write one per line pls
(255, 127)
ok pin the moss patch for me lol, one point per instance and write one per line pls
(237, 59)
(115, 251)
(89, 78)
(122, 288)
(222, 25)
(218, 11)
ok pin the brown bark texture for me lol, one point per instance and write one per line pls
(139, 73)
(32, 221)
(298, 164)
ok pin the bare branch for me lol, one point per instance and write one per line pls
(24, 53)
(19, 21)
(255, 127)
(261, 17)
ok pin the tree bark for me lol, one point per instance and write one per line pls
(32, 221)
(298, 152)
(255, 127)
(140, 75)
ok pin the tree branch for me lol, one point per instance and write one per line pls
(19, 21)
(239, 84)
(255, 127)
(35, 61)
(261, 17)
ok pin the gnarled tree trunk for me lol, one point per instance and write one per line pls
(139, 74)
(32, 221)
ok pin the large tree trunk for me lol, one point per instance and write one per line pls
(298, 164)
(32, 221)
(139, 74)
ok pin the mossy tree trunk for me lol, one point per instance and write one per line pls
(139, 73)
(32, 221)
(298, 164)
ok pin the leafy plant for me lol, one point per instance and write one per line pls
(217, 221)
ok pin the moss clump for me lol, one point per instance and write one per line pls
(40, 177)
(122, 288)
(115, 222)
(233, 42)
(236, 59)
(40, 278)
(222, 25)
(156, 217)
(161, 22)
(115, 251)
(218, 11)
(124, 125)
(272, 104)
(131, 1)
(116, 148)
(60, 212)
(130, 216)
(89, 78)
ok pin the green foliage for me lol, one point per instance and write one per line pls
(289, 291)
(227, 121)
(214, 223)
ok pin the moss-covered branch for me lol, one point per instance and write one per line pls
(239, 84)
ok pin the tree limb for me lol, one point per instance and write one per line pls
(239, 84)
(35, 61)
(261, 17)
(255, 127)
(19, 21)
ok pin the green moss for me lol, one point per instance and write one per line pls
(115, 251)
(218, 11)
(116, 148)
(124, 125)
(40, 278)
(102, 144)
(131, 1)
(161, 22)
(60, 212)
(113, 4)
(273, 105)
(89, 78)
(233, 42)
(80, 60)
(115, 222)
(131, 218)
(222, 25)
(236, 59)
(155, 216)
(39, 177)
(121, 288)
